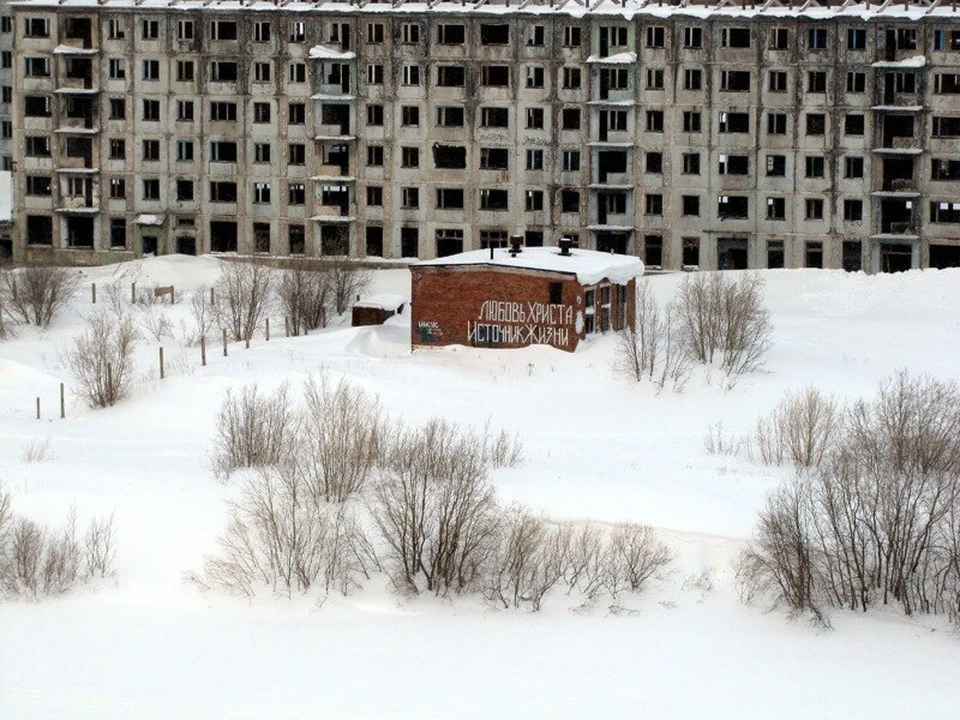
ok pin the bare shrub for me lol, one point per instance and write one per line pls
(348, 279)
(586, 567)
(280, 539)
(635, 556)
(435, 509)
(101, 359)
(203, 309)
(501, 450)
(650, 349)
(37, 451)
(305, 294)
(252, 429)
(719, 442)
(99, 542)
(156, 323)
(243, 295)
(801, 429)
(341, 440)
(35, 294)
(4, 330)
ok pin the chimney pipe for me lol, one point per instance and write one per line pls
(516, 244)
(565, 244)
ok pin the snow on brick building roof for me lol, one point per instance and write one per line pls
(590, 266)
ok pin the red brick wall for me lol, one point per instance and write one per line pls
(449, 308)
(370, 316)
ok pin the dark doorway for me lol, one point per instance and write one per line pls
(852, 255)
(6, 250)
(613, 242)
(80, 232)
(187, 245)
(731, 253)
(334, 239)
(941, 256)
(148, 245)
(895, 257)
(223, 236)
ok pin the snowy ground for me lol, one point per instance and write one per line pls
(598, 446)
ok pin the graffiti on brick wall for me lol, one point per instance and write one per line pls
(429, 331)
(521, 323)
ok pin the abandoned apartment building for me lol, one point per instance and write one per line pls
(710, 136)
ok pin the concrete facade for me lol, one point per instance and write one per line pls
(691, 137)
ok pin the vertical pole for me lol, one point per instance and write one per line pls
(173, 294)
(203, 350)
(247, 342)
(211, 296)
(161, 363)
(109, 380)
(286, 327)
(63, 405)
(268, 330)
(93, 293)
(38, 408)
(133, 293)
(224, 342)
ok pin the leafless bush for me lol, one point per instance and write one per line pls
(636, 555)
(101, 359)
(243, 295)
(280, 539)
(719, 442)
(99, 543)
(650, 349)
(348, 278)
(4, 330)
(501, 450)
(156, 323)
(35, 294)
(724, 319)
(876, 521)
(586, 567)
(203, 309)
(435, 509)
(801, 429)
(342, 438)
(37, 451)
(252, 429)
(306, 297)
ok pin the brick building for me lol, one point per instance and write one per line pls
(534, 296)
(816, 134)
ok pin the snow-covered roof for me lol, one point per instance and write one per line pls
(383, 301)
(590, 266)
(6, 196)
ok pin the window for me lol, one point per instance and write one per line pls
(535, 35)
(184, 190)
(36, 106)
(151, 110)
(534, 76)
(116, 68)
(36, 67)
(150, 29)
(853, 210)
(495, 76)
(569, 201)
(946, 84)
(223, 151)
(776, 208)
(692, 37)
(814, 166)
(185, 70)
(261, 152)
(225, 192)
(491, 34)
(734, 165)
(223, 112)
(185, 110)
(118, 149)
(151, 189)
(654, 163)
(534, 159)
(817, 39)
(852, 167)
(374, 155)
(261, 193)
(298, 32)
(533, 200)
(734, 122)
(411, 75)
(151, 150)
(261, 112)
(691, 163)
(493, 239)
(451, 34)
(409, 198)
(734, 37)
(493, 199)
(654, 121)
(779, 39)
(297, 72)
(375, 115)
(534, 118)
(691, 121)
(656, 36)
(946, 40)
(776, 165)
(450, 116)
(853, 124)
(410, 116)
(450, 198)
(571, 36)
(732, 207)
(39, 185)
(184, 150)
(905, 82)
(296, 154)
(296, 113)
(777, 123)
(493, 158)
(262, 31)
(6, 94)
(941, 169)
(654, 78)
(945, 212)
(691, 205)
(816, 124)
(452, 157)
(493, 117)
(813, 254)
(653, 204)
(37, 146)
(856, 82)
(571, 160)
(735, 81)
(409, 157)
(409, 33)
(118, 109)
(6, 61)
(946, 127)
(223, 30)
(151, 70)
(777, 81)
(375, 74)
(570, 119)
(814, 209)
(115, 30)
(692, 79)
(297, 194)
(856, 39)
(816, 81)
(374, 33)
(118, 189)
(262, 71)
(451, 76)
(571, 78)
(374, 196)
(223, 71)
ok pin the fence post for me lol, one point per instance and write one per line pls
(133, 293)
(93, 292)
(224, 342)
(161, 363)
(203, 350)
(268, 329)
(211, 296)
(38, 408)
(63, 406)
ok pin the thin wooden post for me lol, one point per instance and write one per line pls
(268, 330)
(38, 408)
(224, 342)
(63, 405)
(133, 293)
(212, 296)
(161, 363)
(286, 327)
(246, 341)
(93, 293)
(110, 378)
(203, 350)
